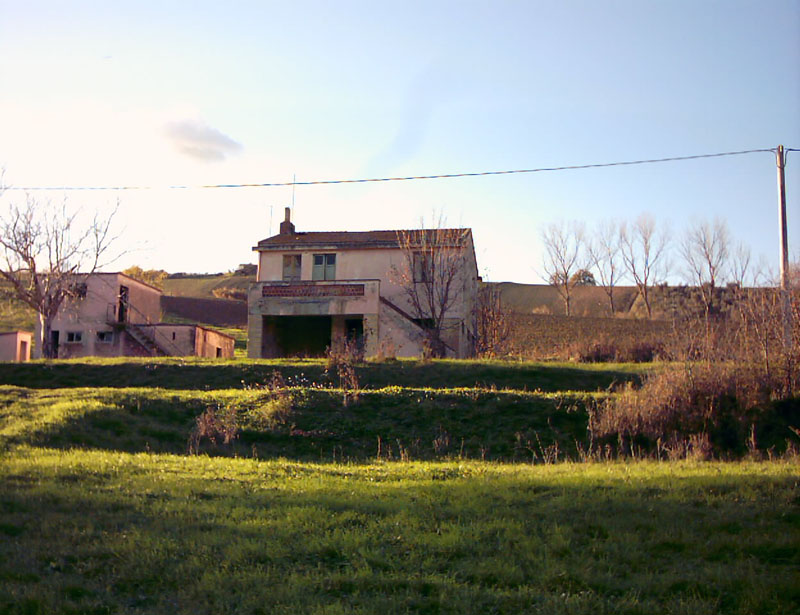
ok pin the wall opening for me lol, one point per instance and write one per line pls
(295, 336)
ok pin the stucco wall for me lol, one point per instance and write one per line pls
(387, 265)
(213, 344)
(96, 312)
(15, 346)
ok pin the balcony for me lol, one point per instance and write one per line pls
(306, 298)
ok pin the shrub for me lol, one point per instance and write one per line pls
(214, 423)
(603, 350)
(343, 356)
(696, 409)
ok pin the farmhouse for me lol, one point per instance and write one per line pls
(314, 289)
(115, 315)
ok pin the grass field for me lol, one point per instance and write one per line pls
(103, 511)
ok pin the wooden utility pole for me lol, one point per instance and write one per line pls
(780, 156)
(780, 159)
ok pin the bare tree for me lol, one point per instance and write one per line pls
(47, 256)
(432, 278)
(493, 322)
(604, 255)
(740, 264)
(644, 250)
(705, 249)
(564, 256)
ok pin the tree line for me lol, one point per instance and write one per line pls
(646, 254)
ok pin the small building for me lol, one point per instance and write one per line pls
(15, 346)
(314, 288)
(115, 315)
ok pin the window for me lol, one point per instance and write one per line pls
(80, 290)
(324, 267)
(74, 337)
(423, 267)
(105, 337)
(291, 267)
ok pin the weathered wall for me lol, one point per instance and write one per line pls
(98, 310)
(15, 346)
(386, 265)
(213, 344)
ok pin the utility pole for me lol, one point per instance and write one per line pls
(780, 159)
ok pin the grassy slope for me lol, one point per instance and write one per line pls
(203, 286)
(94, 532)
(438, 410)
(99, 515)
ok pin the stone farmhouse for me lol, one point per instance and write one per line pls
(316, 288)
(115, 315)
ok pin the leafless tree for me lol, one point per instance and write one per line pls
(644, 252)
(47, 255)
(564, 255)
(705, 249)
(604, 255)
(431, 276)
(493, 322)
(740, 264)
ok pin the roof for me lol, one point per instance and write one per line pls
(124, 275)
(357, 239)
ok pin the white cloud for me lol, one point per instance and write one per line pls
(200, 141)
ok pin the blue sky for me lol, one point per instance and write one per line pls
(163, 93)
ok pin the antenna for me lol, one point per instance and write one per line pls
(294, 185)
(270, 220)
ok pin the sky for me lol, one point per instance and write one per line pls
(157, 94)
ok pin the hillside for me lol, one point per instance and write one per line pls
(222, 286)
(393, 502)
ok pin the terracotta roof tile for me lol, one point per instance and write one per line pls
(344, 239)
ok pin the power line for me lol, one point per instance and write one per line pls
(407, 178)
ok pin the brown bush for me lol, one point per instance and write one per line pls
(606, 350)
(698, 408)
(232, 294)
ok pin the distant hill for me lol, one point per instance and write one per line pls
(220, 286)
(544, 299)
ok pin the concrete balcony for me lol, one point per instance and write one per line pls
(317, 298)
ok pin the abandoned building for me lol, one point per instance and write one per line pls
(315, 288)
(15, 346)
(114, 315)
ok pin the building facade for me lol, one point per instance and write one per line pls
(314, 288)
(114, 315)
(15, 346)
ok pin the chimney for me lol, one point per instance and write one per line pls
(287, 228)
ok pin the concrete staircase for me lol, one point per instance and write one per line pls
(145, 341)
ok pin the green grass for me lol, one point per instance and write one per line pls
(102, 511)
(110, 532)
(191, 372)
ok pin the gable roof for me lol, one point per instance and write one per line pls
(356, 239)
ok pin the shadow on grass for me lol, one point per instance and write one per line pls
(192, 374)
(287, 538)
(315, 424)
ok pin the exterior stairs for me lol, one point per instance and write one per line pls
(145, 341)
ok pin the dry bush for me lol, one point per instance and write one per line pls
(232, 294)
(343, 356)
(215, 423)
(494, 324)
(604, 349)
